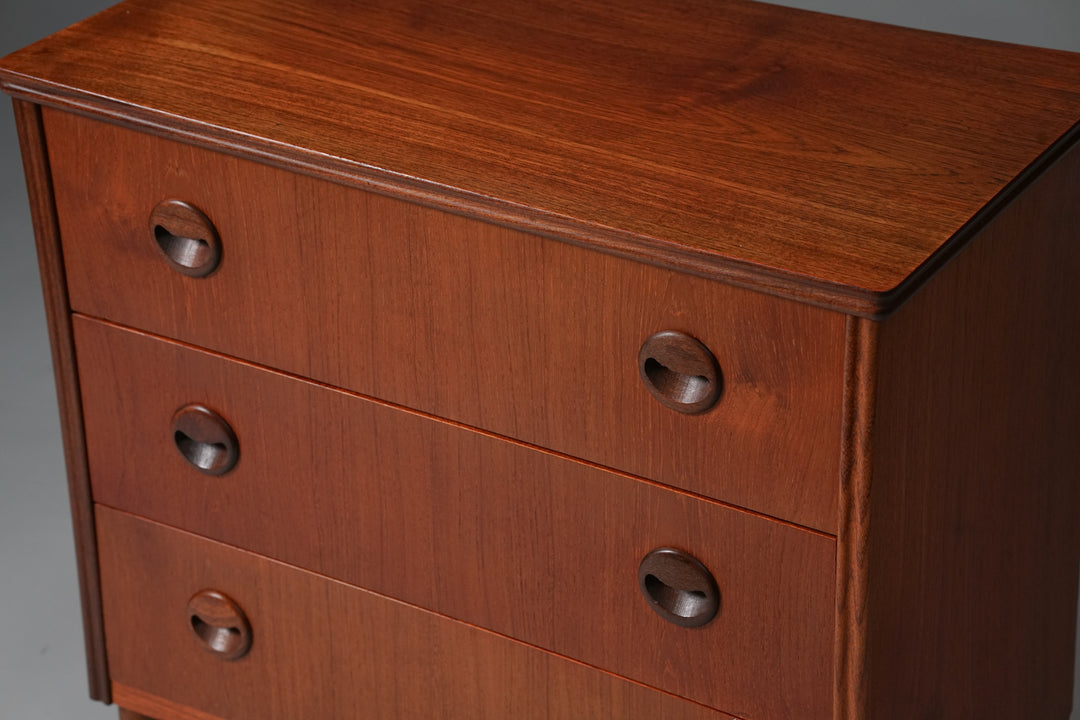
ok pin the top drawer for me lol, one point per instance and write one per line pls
(524, 336)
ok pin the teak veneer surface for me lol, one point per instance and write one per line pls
(970, 535)
(537, 547)
(811, 155)
(323, 649)
(58, 311)
(509, 332)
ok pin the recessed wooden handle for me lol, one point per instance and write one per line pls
(205, 440)
(186, 238)
(680, 372)
(678, 587)
(219, 624)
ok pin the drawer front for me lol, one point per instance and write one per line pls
(530, 338)
(533, 545)
(320, 648)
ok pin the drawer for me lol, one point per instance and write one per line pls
(530, 338)
(530, 544)
(319, 648)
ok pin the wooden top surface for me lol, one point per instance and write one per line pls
(809, 155)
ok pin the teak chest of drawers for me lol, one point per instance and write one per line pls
(561, 360)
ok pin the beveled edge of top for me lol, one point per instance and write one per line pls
(846, 299)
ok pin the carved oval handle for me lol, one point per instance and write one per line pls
(678, 587)
(680, 372)
(187, 239)
(205, 440)
(219, 624)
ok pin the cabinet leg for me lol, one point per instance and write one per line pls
(131, 715)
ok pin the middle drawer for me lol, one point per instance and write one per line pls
(530, 544)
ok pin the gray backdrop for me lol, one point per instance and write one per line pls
(42, 672)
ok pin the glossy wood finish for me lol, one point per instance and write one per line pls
(680, 372)
(409, 205)
(327, 650)
(219, 624)
(529, 338)
(965, 543)
(816, 156)
(679, 587)
(187, 239)
(532, 545)
(204, 439)
(54, 288)
(852, 555)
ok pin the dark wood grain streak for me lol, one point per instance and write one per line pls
(852, 555)
(51, 264)
(324, 649)
(796, 152)
(534, 546)
(529, 338)
(972, 548)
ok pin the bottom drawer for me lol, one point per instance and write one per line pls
(319, 648)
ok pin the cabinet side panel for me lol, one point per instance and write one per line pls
(57, 310)
(972, 542)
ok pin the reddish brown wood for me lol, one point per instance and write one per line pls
(327, 650)
(832, 161)
(187, 239)
(679, 587)
(154, 707)
(852, 552)
(529, 338)
(51, 263)
(205, 439)
(965, 559)
(219, 624)
(532, 545)
(680, 372)
(132, 715)
(806, 154)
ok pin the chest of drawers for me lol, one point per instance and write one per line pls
(561, 360)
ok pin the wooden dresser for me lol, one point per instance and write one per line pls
(480, 359)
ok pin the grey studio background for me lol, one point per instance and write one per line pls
(42, 667)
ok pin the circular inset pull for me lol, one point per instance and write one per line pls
(219, 624)
(186, 237)
(680, 372)
(205, 440)
(678, 587)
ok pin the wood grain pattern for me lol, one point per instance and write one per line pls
(969, 552)
(51, 264)
(529, 338)
(852, 547)
(538, 547)
(125, 714)
(816, 156)
(323, 649)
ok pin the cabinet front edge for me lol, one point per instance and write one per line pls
(851, 300)
(58, 312)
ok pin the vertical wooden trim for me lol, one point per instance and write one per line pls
(58, 312)
(860, 391)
